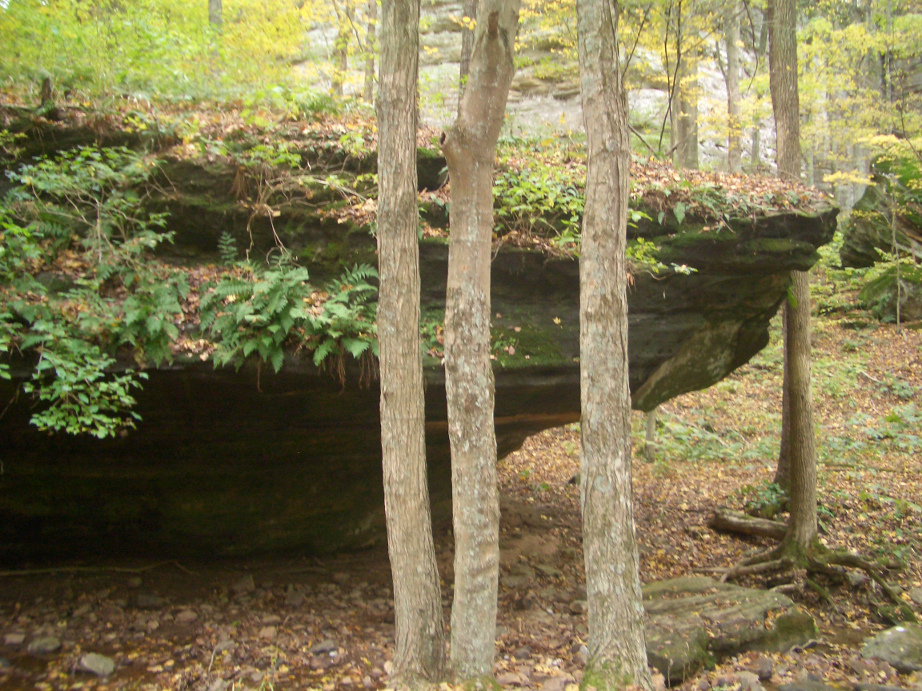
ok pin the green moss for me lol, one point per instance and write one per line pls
(605, 676)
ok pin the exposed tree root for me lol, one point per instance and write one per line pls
(788, 558)
(95, 569)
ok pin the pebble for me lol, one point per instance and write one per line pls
(134, 582)
(186, 616)
(327, 645)
(763, 667)
(522, 653)
(270, 633)
(916, 595)
(44, 645)
(272, 619)
(148, 601)
(246, 584)
(659, 682)
(578, 607)
(97, 664)
(14, 640)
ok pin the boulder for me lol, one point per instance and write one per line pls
(900, 646)
(233, 462)
(694, 619)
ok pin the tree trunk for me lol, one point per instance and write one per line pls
(734, 154)
(469, 15)
(797, 416)
(802, 447)
(420, 633)
(686, 153)
(783, 471)
(368, 92)
(617, 648)
(215, 14)
(782, 66)
(649, 443)
(341, 46)
(469, 147)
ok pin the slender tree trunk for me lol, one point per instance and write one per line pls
(469, 147)
(649, 445)
(782, 63)
(802, 447)
(783, 471)
(617, 648)
(341, 46)
(734, 154)
(371, 10)
(215, 18)
(469, 14)
(420, 633)
(686, 154)
(797, 417)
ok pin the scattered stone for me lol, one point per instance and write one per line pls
(270, 633)
(511, 679)
(244, 585)
(134, 582)
(44, 645)
(97, 664)
(806, 685)
(272, 619)
(763, 667)
(900, 646)
(14, 640)
(522, 653)
(148, 601)
(293, 597)
(916, 596)
(225, 644)
(548, 570)
(581, 593)
(219, 685)
(388, 667)
(749, 681)
(578, 607)
(81, 611)
(659, 682)
(703, 684)
(186, 616)
(153, 625)
(367, 682)
(583, 654)
(327, 646)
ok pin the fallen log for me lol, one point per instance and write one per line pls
(729, 521)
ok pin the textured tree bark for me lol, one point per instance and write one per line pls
(469, 147)
(797, 427)
(420, 633)
(686, 154)
(617, 648)
(734, 153)
(215, 14)
(802, 529)
(371, 11)
(467, 39)
(340, 56)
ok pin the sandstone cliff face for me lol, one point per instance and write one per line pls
(231, 462)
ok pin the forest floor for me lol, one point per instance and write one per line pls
(296, 623)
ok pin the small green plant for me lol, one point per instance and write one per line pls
(268, 310)
(227, 249)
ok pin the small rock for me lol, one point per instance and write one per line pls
(581, 593)
(148, 601)
(153, 625)
(246, 584)
(900, 646)
(578, 607)
(763, 667)
(388, 667)
(186, 616)
(218, 685)
(749, 681)
(326, 646)
(659, 682)
(703, 684)
(14, 640)
(44, 645)
(857, 579)
(916, 595)
(270, 633)
(548, 570)
(272, 619)
(97, 664)
(294, 598)
(584, 654)
(509, 679)
(226, 644)
(367, 682)
(522, 653)
(134, 582)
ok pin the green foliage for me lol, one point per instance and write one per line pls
(262, 313)
(227, 249)
(162, 46)
(72, 378)
(541, 200)
(78, 220)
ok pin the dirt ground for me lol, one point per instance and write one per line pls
(291, 622)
